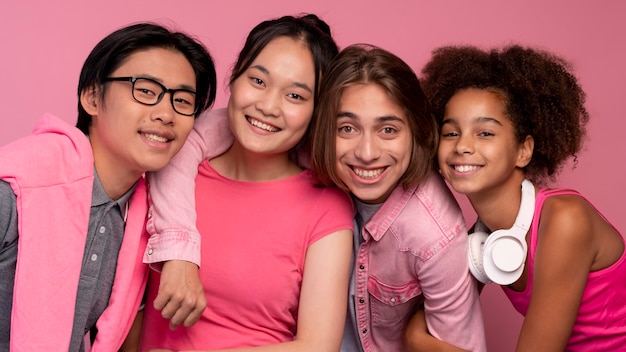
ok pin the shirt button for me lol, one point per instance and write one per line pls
(94, 257)
(365, 331)
(102, 229)
(361, 300)
(361, 266)
(150, 215)
(150, 251)
(393, 300)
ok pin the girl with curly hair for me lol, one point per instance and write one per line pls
(510, 119)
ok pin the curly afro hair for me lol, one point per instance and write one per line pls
(542, 97)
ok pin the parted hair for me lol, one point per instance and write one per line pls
(113, 51)
(368, 64)
(307, 28)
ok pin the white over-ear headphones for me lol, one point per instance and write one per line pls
(500, 256)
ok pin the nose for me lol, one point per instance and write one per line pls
(367, 148)
(164, 110)
(464, 145)
(269, 103)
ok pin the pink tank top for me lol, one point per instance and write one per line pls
(601, 321)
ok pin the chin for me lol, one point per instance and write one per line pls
(155, 165)
(368, 197)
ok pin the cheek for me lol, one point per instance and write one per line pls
(342, 171)
(299, 117)
(184, 126)
(342, 145)
(404, 150)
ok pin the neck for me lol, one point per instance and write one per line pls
(243, 165)
(498, 206)
(116, 180)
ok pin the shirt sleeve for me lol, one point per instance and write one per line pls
(172, 214)
(451, 298)
(8, 214)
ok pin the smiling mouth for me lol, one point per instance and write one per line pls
(261, 125)
(368, 174)
(155, 138)
(466, 168)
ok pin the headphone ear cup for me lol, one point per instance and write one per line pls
(504, 256)
(475, 255)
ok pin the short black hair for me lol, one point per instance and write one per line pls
(111, 52)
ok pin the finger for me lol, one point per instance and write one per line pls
(162, 298)
(170, 309)
(193, 317)
(179, 316)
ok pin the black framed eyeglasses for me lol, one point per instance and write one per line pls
(150, 92)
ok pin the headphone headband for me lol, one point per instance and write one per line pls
(500, 256)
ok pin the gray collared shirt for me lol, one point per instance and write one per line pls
(351, 341)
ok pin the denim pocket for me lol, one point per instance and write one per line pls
(393, 304)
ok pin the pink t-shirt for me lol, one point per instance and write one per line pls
(601, 321)
(254, 240)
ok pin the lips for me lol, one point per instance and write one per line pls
(465, 168)
(155, 138)
(368, 173)
(262, 125)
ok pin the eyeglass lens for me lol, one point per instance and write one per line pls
(147, 91)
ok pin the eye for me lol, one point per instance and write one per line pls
(145, 91)
(295, 96)
(388, 130)
(449, 134)
(180, 101)
(184, 98)
(257, 81)
(485, 134)
(346, 129)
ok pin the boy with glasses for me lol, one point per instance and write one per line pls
(73, 202)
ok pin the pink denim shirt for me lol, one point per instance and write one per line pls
(414, 252)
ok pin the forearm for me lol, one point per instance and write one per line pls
(418, 339)
(172, 219)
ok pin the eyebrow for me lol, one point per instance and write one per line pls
(296, 84)
(379, 119)
(479, 120)
(182, 86)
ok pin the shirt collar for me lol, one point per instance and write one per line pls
(100, 197)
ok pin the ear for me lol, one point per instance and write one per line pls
(525, 151)
(90, 99)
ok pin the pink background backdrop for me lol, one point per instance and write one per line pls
(45, 42)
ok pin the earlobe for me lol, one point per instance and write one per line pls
(89, 99)
(526, 149)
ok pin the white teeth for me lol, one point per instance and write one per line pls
(465, 168)
(368, 173)
(155, 138)
(262, 126)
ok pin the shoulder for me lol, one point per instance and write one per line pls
(437, 202)
(60, 152)
(434, 192)
(565, 225)
(333, 196)
(569, 213)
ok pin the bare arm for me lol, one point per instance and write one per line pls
(131, 343)
(565, 253)
(417, 338)
(323, 298)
